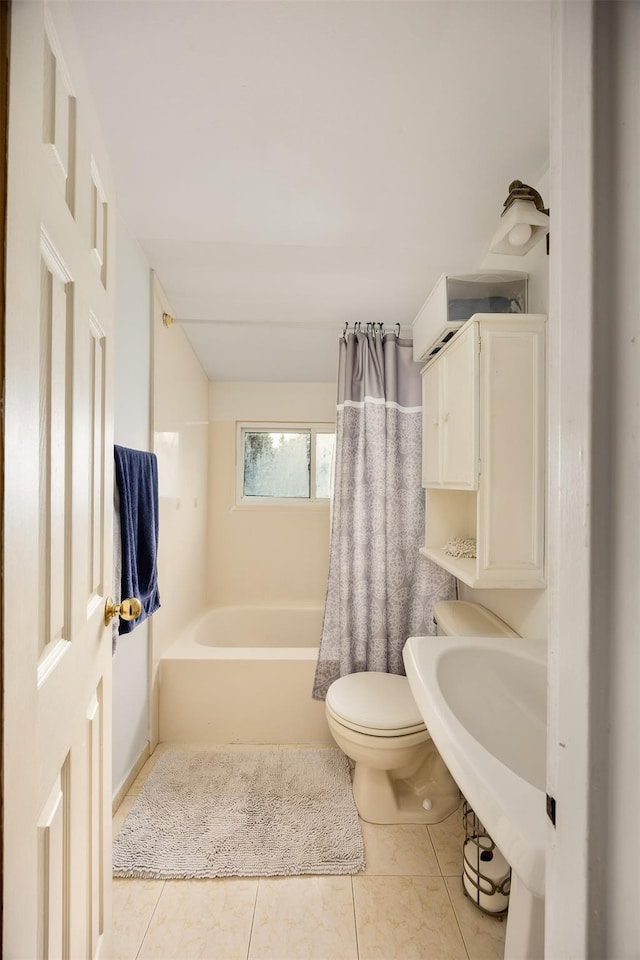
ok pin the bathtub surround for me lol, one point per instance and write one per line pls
(242, 813)
(181, 443)
(380, 591)
(264, 554)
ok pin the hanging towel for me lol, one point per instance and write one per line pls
(117, 567)
(137, 479)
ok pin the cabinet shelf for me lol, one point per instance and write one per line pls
(466, 570)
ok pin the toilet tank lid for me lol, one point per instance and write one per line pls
(460, 618)
(381, 701)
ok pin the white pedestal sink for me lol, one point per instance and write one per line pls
(484, 703)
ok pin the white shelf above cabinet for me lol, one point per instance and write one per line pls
(461, 567)
(456, 298)
(466, 569)
(504, 510)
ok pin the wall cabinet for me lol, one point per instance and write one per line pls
(484, 450)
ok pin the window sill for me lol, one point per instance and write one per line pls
(281, 505)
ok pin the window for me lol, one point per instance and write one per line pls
(283, 463)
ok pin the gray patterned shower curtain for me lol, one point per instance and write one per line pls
(380, 589)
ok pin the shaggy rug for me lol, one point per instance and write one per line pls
(242, 813)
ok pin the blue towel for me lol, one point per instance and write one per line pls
(137, 479)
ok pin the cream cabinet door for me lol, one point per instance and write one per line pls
(58, 495)
(431, 453)
(459, 411)
(450, 430)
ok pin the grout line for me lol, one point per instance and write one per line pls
(253, 918)
(153, 913)
(458, 924)
(355, 917)
(432, 848)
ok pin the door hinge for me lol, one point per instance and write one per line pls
(551, 809)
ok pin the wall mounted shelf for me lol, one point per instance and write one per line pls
(484, 450)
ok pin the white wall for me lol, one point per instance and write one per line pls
(264, 553)
(524, 610)
(181, 442)
(132, 392)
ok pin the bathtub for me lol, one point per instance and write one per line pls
(243, 674)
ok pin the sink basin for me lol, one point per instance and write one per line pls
(484, 703)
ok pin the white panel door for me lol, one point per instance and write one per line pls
(58, 489)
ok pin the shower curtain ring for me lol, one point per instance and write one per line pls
(344, 332)
(398, 330)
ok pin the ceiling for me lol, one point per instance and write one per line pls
(289, 167)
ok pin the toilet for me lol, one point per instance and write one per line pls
(399, 776)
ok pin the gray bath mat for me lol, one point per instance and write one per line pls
(242, 813)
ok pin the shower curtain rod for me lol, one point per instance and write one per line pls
(357, 327)
(364, 327)
(168, 320)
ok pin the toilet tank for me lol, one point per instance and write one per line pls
(459, 618)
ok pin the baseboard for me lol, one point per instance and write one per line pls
(126, 785)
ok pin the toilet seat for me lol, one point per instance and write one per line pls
(378, 704)
(377, 732)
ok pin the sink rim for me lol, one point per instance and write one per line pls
(512, 809)
(490, 673)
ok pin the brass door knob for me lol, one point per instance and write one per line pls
(129, 609)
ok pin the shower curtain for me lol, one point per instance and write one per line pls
(380, 589)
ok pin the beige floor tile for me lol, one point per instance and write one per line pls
(133, 904)
(208, 919)
(121, 814)
(298, 918)
(447, 838)
(483, 935)
(405, 918)
(399, 850)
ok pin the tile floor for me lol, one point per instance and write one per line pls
(407, 904)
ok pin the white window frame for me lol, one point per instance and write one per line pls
(271, 426)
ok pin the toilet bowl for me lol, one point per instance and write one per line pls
(399, 776)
